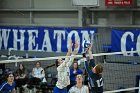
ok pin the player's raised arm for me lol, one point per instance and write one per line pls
(90, 51)
(70, 48)
(73, 54)
(75, 48)
(69, 51)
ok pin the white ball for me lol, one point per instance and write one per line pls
(86, 44)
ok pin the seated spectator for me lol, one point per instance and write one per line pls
(4, 72)
(9, 85)
(2, 68)
(21, 76)
(74, 71)
(79, 87)
(38, 75)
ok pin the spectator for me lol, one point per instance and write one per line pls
(4, 72)
(21, 76)
(9, 85)
(73, 73)
(79, 87)
(38, 75)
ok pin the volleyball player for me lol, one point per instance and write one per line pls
(63, 79)
(95, 77)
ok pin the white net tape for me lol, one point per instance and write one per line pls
(121, 90)
(52, 58)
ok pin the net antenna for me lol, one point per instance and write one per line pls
(85, 3)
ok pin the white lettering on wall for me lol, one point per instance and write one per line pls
(92, 35)
(4, 36)
(34, 39)
(77, 38)
(85, 35)
(123, 42)
(138, 45)
(33, 35)
(18, 40)
(47, 42)
(59, 35)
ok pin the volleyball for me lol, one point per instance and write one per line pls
(86, 44)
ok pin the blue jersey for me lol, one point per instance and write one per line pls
(95, 80)
(6, 88)
(73, 75)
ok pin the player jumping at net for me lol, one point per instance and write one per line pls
(95, 77)
(63, 70)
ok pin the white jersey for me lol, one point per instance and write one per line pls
(64, 74)
(74, 89)
(37, 72)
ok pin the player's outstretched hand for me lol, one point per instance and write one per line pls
(90, 48)
(71, 44)
(84, 55)
(76, 45)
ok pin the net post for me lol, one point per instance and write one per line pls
(139, 86)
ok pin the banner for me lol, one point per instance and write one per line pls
(93, 3)
(118, 2)
(43, 38)
(126, 40)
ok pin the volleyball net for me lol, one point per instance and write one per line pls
(119, 73)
